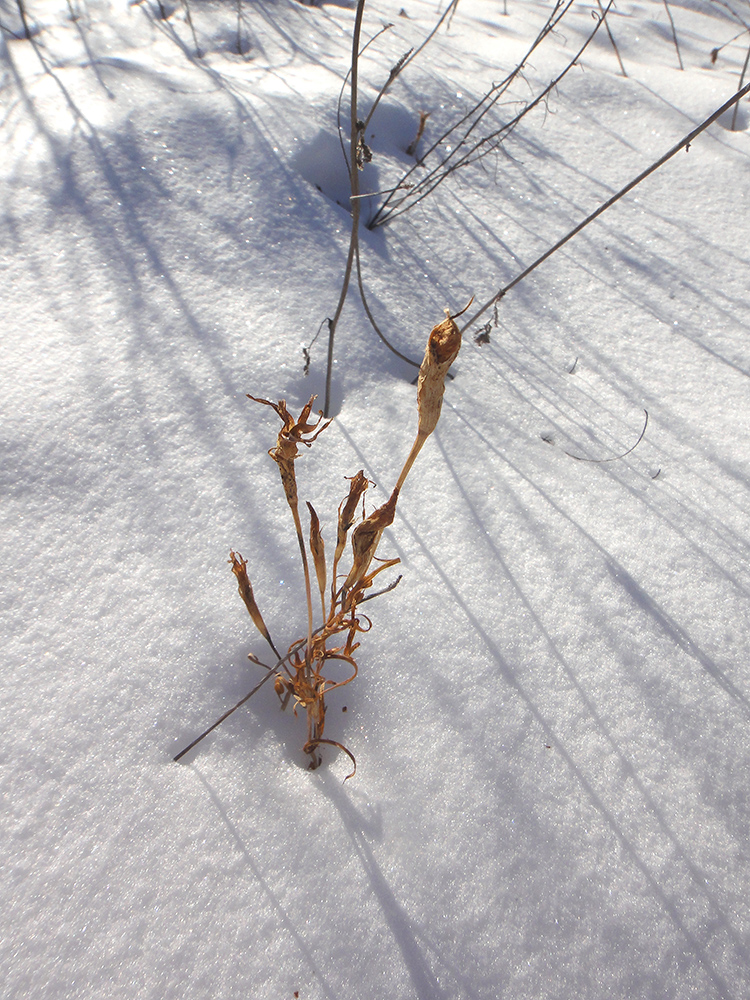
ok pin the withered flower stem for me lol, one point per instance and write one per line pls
(301, 676)
(293, 433)
(308, 588)
(442, 349)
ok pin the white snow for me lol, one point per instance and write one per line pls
(550, 719)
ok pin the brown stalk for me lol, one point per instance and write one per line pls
(301, 676)
(442, 349)
(293, 433)
(411, 149)
(682, 144)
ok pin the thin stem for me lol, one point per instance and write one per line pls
(481, 147)
(354, 178)
(742, 80)
(612, 38)
(272, 672)
(407, 58)
(226, 715)
(411, 458)
(480, 109)
(371, 318)
(391, 77)
(308, 588)
(682, 144)
(674, 34)
(386, 27)
(614, 458)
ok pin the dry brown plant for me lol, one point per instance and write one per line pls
(302, 675)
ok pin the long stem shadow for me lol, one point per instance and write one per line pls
(283, 916)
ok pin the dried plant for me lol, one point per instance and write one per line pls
(302, 675)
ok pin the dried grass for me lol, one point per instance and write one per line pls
(302, 676)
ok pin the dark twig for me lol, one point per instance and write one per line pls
(405, 59)
(611, 37)
(385, 590)
(354, 178)
(226, 715)
(366, 46)
(742, 80)
(473, 116)
(478, 149)
(682, 144)
(674, 34)
(272, 672)
(371, 318)
(395, 70)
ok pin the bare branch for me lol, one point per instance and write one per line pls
(682, 144)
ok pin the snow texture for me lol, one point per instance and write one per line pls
(551, 715)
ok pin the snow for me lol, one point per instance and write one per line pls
(551, 711)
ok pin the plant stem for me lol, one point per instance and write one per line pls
(612, 38)
(308, 588)
(354, 178)
(376, 328)
(481, 147)
(473, 116)
(674, 34)
(742, 80)
(682, 144)
(226, 715)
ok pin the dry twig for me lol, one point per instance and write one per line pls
(682, 144)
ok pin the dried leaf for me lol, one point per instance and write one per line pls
(293, 433)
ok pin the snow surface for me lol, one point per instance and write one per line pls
(551, 716)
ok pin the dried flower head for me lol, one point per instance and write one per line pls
(442, 349)
(293, 433)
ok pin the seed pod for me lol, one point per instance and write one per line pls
(246, 593)
(359, 484)
(318, 552)
(365, 540)
(443, 346)
(442, 349)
